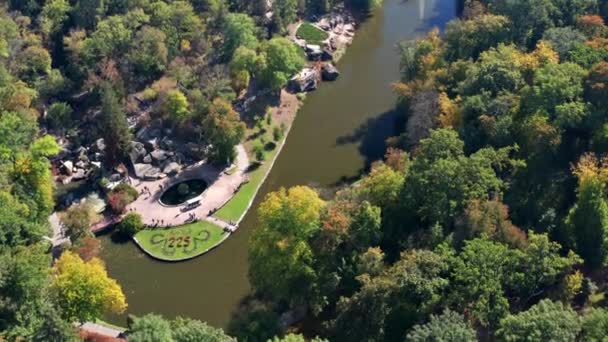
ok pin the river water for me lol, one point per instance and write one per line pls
(340, 129)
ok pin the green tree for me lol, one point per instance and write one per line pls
(545, 321)
(114, 126)
(223, 130)
(285, 12)
(469, 38)
(130, 224)
(239, 30)
(78, 218)
(479, 274)
(563, 39)
(254, 322)
(594, 325)
(281, 59)
(148, 53)
(190, 330)
(447, 327)
(280, 257)
(60, 116)
(149, 328)
(53, 16)
(176, 106)
(587, 220)
(24, 275)
(295, 338)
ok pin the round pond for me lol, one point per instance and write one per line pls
(183, 191)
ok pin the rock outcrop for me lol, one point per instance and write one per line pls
(329, 72)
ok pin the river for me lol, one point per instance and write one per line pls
(340, 129)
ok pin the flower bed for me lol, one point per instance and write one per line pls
(180, 242)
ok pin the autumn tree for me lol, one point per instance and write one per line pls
(587, 220)
(223, 130)
(281, 259)
(83, 289)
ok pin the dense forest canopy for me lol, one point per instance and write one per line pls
(486, 220)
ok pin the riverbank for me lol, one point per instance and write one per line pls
(338, 29)
(339, 128)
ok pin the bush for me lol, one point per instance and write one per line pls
(131, 224)
(130, 191)
(88, 248)
(277, 133)
(120, 197)
(258, 151)
(149, 94)
(60, 116)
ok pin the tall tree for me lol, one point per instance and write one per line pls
(588, 218)
(223, 130)
(281, 259)
(114, 126)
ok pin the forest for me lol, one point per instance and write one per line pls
(486, 220)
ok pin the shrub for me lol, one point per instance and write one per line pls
(258, 150)
(60, 115)
(277, 133)
(130, 224)
(149, 94)
(88, 248)
(120, 197)
(130, 191)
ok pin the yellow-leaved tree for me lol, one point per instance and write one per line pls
(84, 290)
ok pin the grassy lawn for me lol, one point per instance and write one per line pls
(311, 34)
(181, 242)
(109, 325)
(236, 207)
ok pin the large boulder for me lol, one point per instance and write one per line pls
(99, 145)
(329, 72)
(67, 167)
(137, 152)
(158, 156)
(305, 81)
(172, 168)
(79, 174)
(314, 52)
(146, 171)
(327, 56)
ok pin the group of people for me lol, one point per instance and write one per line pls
(161, 223)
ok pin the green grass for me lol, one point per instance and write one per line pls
(311, 34)
(236, 207)
(181, 242)
(109, 325)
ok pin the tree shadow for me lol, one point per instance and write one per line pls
(371, 137)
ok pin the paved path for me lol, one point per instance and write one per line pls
(100, 329)
(221, 188)
(58, 236)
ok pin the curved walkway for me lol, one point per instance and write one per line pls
(221, 188)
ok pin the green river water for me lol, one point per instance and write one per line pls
(340, 129)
